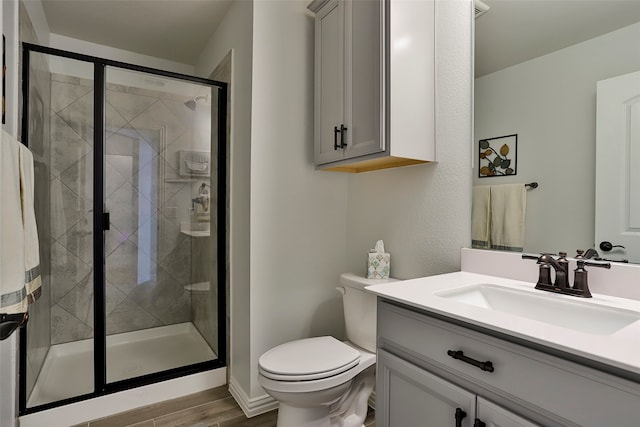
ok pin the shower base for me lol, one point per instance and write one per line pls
(68, 368)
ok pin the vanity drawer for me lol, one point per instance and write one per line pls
(527, 378)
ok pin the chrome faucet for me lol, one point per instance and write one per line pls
(561, 266)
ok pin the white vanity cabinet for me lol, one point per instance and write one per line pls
(374, 84)
(419, 383)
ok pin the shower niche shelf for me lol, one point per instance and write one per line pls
(194, 233)
(181, 180)
(198, 287)
(195, 229)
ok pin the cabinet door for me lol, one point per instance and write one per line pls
(363, 73)
(409, 396)
(493, 415)
(329, 81)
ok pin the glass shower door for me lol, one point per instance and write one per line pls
(60, 332)
(159, 246)
(129, 192)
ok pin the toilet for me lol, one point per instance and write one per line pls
(322, 381)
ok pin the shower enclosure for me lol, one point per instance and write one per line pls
(130, 205)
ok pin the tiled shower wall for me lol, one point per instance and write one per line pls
(147, 258)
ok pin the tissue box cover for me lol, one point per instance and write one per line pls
(378, 265)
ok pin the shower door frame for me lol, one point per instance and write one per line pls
(101, 222)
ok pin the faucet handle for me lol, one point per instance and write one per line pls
(580, 282)
(606, 265)
(542, 258)
(544, 276)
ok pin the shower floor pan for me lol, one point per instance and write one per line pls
(68, 368)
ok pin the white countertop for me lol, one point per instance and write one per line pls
(619, 350)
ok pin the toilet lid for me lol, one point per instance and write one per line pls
(306, 359)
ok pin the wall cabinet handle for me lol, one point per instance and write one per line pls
(459, 416)
(335, 137)
(459, 355)
(342, 132)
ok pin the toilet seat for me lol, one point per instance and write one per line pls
(308, 359)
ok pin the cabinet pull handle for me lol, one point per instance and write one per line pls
(342, 132)
(485, 366)
(460, 415)
(335, 137)
(479, 423)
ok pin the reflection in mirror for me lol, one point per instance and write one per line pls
(538, 64)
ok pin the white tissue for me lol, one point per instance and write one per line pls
(379, 248)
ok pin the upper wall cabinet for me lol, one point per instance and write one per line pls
(374, 84)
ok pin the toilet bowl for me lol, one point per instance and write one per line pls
(322, 381)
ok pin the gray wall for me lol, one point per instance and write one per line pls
(306, 227)
(235, 36)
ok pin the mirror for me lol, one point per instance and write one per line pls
(537, 66)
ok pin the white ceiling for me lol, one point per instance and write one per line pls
(170, 29)
(512, 31)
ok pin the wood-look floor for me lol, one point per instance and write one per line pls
(211, 408)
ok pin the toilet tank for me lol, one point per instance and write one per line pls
(360, 309)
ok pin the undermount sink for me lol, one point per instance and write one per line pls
(568, 312)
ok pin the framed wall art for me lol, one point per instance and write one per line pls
(498, 156)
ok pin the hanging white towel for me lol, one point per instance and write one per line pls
(19, 249)
(481, 217)
(32, 278)
(13, 294)
(508, 208)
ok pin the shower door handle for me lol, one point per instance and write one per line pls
(106, 222)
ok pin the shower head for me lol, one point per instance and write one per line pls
(480, 8)
(193, 102)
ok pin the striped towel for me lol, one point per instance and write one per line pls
(19, 252)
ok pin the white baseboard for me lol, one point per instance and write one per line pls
(372, 400)
(251, 406)
(111, 404)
